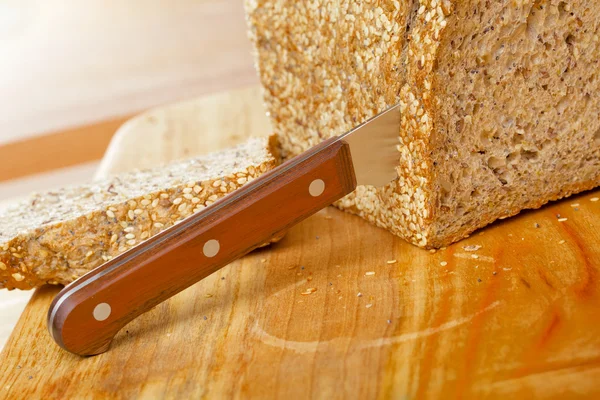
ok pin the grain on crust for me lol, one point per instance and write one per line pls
(499, 100)
(57, 236)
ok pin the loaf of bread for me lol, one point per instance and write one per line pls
(499, 100)
(57, 236)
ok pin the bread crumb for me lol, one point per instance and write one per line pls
(472, 247)
(391, 261)
(575, 205)
(369, 305)
(309, 291)
(562, 242)
(359, 294)
(475, 256)
(443, 263)
(595, 199)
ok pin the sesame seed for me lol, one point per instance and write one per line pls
(370, 273)
(114, 238)
(130, 236)
(197, 189)
(562, 242)
(217, 183)
(128, 229)
(187, 190)
(575, 205)
(164, 196)
(369, 305)
(131, 242)
(158, 225)
(188, 196)
(145, 202)
(195, 200)
(89, 254)
(2, 266)
(154, 203)
(177, 201)
(595, 199)
(443, 263)
(110, 214)
(472, 247)
(144, 235)
(130, 214)
(562, 219)
(18, 277)
(391, 261)
(137, 211)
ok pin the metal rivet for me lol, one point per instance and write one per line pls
(316, 188)
(102, 311)
(211, 248)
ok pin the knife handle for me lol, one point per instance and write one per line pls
(87, 314)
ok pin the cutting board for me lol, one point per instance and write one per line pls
(518, 317)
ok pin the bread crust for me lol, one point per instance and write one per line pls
(325, 69)
(57, 236)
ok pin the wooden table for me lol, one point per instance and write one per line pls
(517, 318)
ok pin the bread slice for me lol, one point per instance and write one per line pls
(500, 100)
(57, 236)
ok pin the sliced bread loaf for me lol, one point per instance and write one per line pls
(500, 100)
(57, 236)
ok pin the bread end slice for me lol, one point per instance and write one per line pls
(57, 236)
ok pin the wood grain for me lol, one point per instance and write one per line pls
(518, 321)
(173, 260)
(52, 151)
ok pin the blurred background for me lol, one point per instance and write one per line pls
(71, 72)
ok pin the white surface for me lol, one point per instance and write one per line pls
(73, 62)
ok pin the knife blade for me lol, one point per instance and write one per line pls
(86, 315)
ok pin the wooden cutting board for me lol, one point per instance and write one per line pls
(520, 316)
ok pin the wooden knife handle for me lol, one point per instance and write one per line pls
(87, 314)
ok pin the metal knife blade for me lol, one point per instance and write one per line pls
(373, 148)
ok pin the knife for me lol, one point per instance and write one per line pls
(87, 314)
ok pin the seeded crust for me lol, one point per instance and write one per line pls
(57, 236)
(499, 100)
